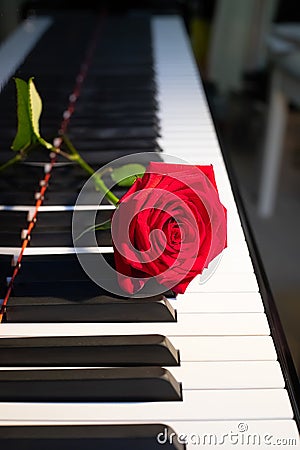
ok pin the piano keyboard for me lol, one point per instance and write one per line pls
(217, 379)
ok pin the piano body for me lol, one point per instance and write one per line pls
(80, 369)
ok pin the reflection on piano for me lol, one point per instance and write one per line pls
(79, 368)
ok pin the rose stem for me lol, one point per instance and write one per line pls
(97, 178)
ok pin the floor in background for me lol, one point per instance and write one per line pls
(240, 121)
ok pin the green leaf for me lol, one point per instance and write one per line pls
(23, 137)
(29, 110)
(35, 107)
(35, 110)
(126, 175)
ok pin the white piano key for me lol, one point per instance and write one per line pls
(54, 250)
(196, 110)
(177, 117)
(235, 261)
(13, 251)
(228, 375)
(192, 302)
(225, 348)
(178, 124)
(197, 155)
(172, 120)
(175, 122)
(210, 324)
(200, 153)
(180, 141)
(190, 138)
(225, 282)
(230, 404)
(56, 208)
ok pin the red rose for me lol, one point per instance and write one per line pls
(170, 225)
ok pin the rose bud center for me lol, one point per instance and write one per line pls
(173, 232)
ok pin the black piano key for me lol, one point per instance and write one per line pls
(129, 384)
(127, 80)
(63, 238)
(51, 219)
(69, 197)
(56, 228)
(66, 285)
(93, 309)
(11, 225)
(112, 136)
(52, 271)
(56, 267)
(115, 146)
(132, 107)
(88, 351)
(66, 176)
(64, 288)
(7, 153)
(122, 88)
(142, 96)
(17, 198)
(21, 175)
(71, 176)
(91, 437)
(6, 270)
(118, 141)
(10, 238)
(66, 197)
(115, 118)
(12, 220)
(94, 158)
(6, 263)
(19, 183)
(115, 70)
(55, 274)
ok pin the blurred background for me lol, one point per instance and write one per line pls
(248, 54)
